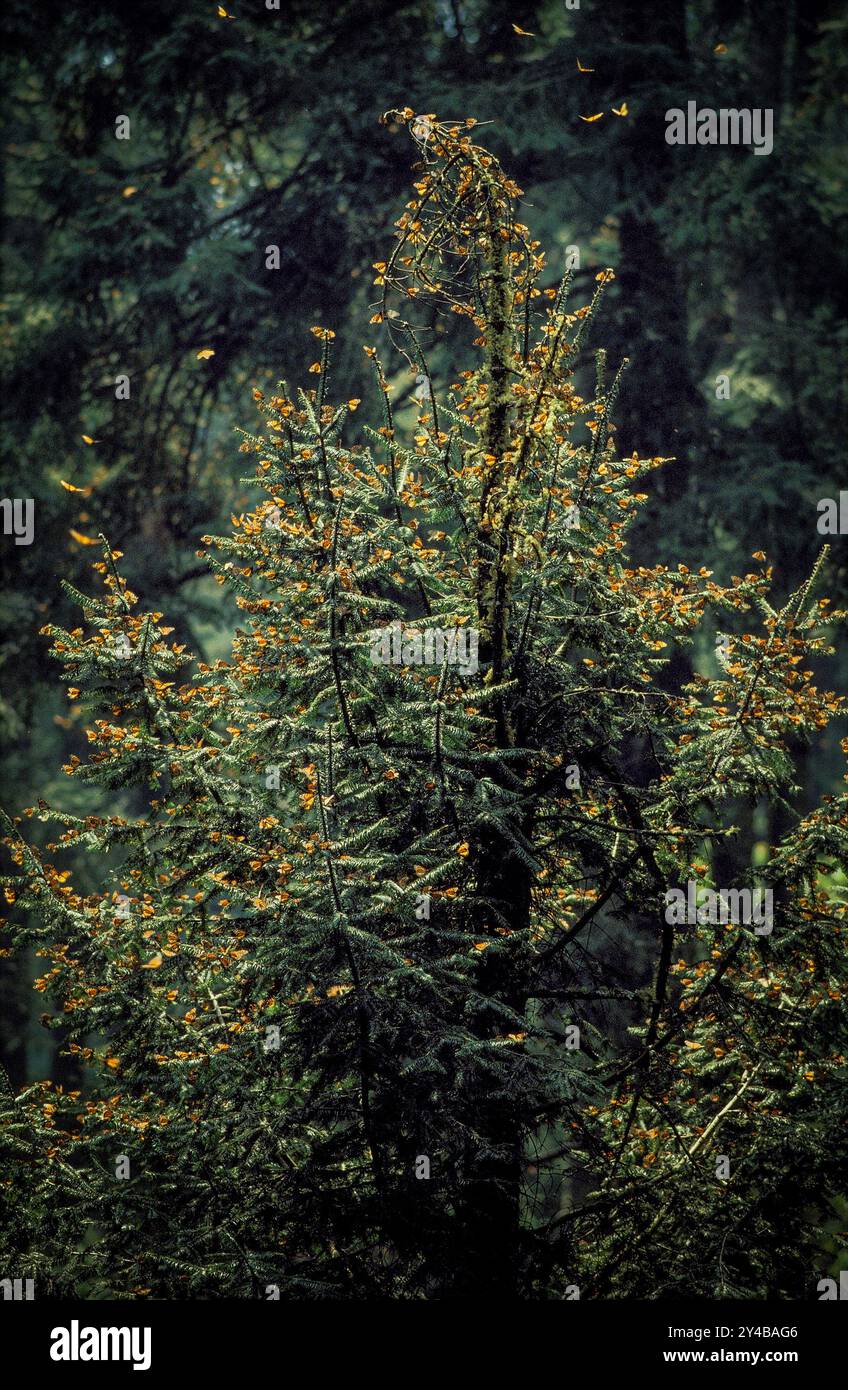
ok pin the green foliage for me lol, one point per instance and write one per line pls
(273, 1033)
(262, 130)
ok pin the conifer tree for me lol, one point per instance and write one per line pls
(383, 996)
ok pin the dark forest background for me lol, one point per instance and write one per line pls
(260, 127)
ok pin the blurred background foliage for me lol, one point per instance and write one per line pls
(260, 127)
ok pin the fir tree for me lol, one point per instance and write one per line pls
(383, 997)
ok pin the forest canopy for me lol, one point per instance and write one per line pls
(433, 876)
